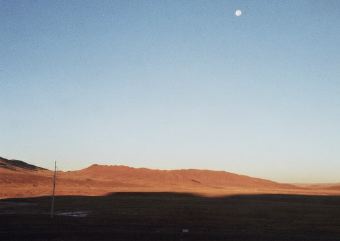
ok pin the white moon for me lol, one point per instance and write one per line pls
(238, 13)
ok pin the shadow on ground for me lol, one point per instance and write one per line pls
(172, 217)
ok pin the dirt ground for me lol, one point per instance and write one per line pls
(171, 217)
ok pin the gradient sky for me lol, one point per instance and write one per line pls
(173, 84)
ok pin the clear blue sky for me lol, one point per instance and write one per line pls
(173, 84)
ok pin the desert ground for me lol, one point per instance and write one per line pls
(172, 216)
(124, 203)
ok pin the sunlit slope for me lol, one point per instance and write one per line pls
(20, 179)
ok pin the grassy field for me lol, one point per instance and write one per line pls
(163, 216)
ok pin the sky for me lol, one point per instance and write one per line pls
(173, 84)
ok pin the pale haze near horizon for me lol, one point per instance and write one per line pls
(173, 84)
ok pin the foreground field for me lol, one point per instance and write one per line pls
(171, 217)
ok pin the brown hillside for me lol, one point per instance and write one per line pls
(20, 179)
(187, 177)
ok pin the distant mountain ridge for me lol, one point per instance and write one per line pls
(187, 177)
(17, 164)
(20, 179)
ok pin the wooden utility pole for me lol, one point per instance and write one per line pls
(53, 190)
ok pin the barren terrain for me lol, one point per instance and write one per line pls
(19, 179)
(129, 204)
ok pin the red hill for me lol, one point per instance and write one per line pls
(19, 179)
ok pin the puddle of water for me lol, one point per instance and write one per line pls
(76, 214)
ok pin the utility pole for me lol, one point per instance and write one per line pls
(53, 190)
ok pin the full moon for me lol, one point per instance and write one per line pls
(238, 13)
